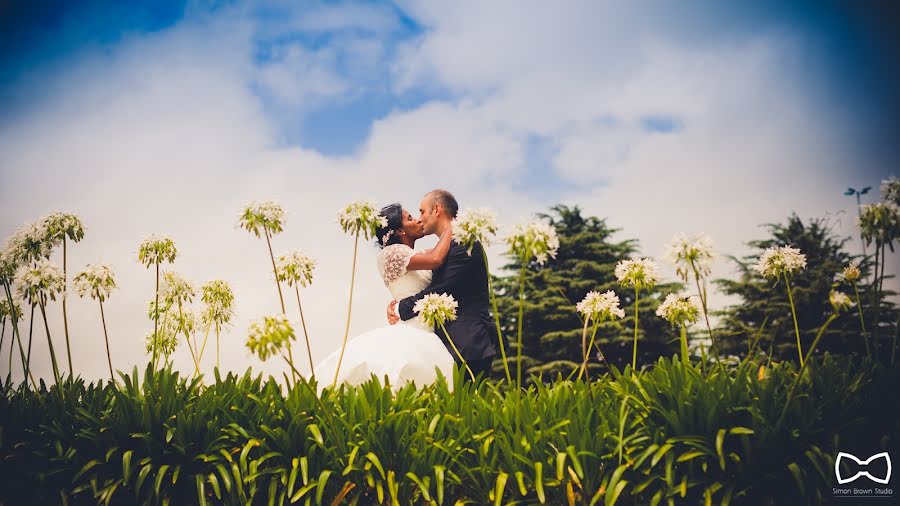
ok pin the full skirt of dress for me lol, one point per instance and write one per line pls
(399, 354)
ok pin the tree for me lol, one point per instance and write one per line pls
(586, 261)
(763, 300)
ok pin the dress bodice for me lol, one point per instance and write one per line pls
(401, 283)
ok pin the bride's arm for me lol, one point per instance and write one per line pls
(433, 258)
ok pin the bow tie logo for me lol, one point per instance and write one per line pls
(862, 468)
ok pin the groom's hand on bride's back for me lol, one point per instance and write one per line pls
(392, 316)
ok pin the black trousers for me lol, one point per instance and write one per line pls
(482, 367)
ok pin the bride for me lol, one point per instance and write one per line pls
(408, 351)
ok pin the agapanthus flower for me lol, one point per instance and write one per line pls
(14, 313)
(96, 280)
(850, 273)
(435, 310)
(156, 250)
(43, 278)
(261, 217)
(680, 309)
(8, 266)
(361, 218)
(688, 254)
(295, 267)
(63, 225)
(165, 340)
(880, 222)
(269, 336)
(219, 303)
(890, 190)
(600, 306)
(780, 260)
(175, 289)
(475, 226)
(840, 301)
(639, 273)
(536, 240)
(28, 244)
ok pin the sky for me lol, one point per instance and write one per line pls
(660, 117)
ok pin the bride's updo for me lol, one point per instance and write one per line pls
(385, 236)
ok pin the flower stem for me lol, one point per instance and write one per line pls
(684, 346)
(187, 338)
(217, 345)
(587, 350)
(349, 309)
(305, 333)
(496, 318)
(703, 300)
(28, 358)
(519, 323)
(50, 341)
(65, 314)
(803, 367)
(787, 282)
(634, 351)
(203, 346)
(16, 336)
(862, 323)
(154, 355)
(106, 336)
(275, 270)
(458, 354)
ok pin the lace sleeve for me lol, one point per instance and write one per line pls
(392, 262)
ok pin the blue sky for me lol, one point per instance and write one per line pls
(662, 117)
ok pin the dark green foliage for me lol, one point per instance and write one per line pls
(669, 432)
(586, 261)
(764, 300)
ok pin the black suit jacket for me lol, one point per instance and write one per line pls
(465, 277)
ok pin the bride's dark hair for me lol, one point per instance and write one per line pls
(394, 215)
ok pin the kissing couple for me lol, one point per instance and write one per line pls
(407, 350)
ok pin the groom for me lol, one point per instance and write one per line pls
(463, 276)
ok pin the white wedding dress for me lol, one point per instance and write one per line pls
(406, 352)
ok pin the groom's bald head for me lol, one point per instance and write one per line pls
(438, 208)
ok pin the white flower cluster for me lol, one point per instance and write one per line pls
(890, 190)
(361, 218)
(680, 309)
(850, 273)
(600, 306)
(262, 217)
(269, 336)
(43, 278)
(60, 225)
(475, 226)
(295, 267)
(28, 244)
(434, 310)
(219, 300)
(156, 250)
(175, 289)
(880, 222)
(639, 273)
(536, 240)
(688, 254)
(840, 301)
(780, 260)
(96, 280)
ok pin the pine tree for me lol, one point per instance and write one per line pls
(763, 300)
(586, 261)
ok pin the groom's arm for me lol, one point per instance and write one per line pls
(458, 262)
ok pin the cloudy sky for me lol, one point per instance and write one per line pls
(661, 117)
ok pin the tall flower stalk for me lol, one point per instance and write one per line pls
(12, 313)
(98, 282)
(38, 285)
(154, 251)
(434, 311)
(851, 274)
(783, 262)
(8, 266)
(296, 269)
(357, 218)
(177, 292)
(597, 308)
(61, 227)
(682, 311)
(218, 311)
(641, 274)
(265, 219)
(535, 241)
(479, 226)
(880, 223)
(694, 256)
